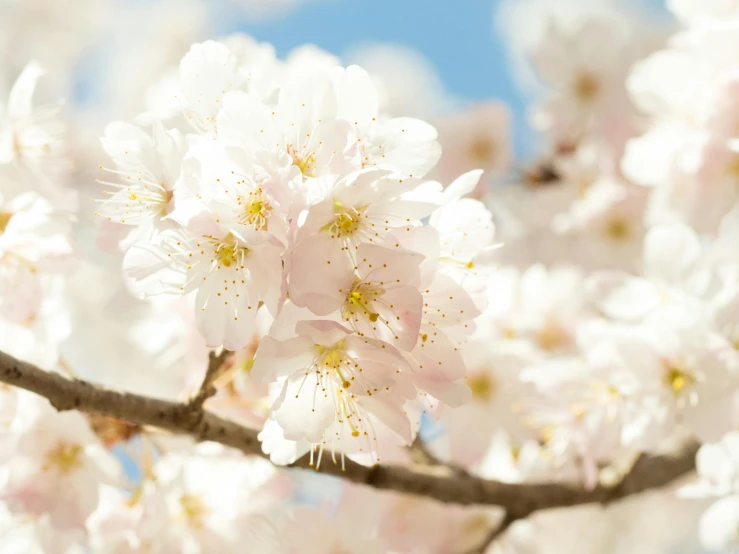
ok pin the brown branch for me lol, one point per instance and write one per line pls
(421, 455)
(212, 372)
(519, 500)
(494, 533)
(643, 465)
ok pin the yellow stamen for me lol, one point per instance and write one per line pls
(678, 379)
(194, 510)
(228, 252)
(482, 386)
(4, 220)
(586, 87)
(64, 458)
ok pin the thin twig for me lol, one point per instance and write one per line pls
(494, 534)
(213, 371)
(520, 500)
(420, 454)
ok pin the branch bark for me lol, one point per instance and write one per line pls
(494, 534)
(212, 372)
(438, 483)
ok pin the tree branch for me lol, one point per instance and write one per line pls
(494, 533)
(439, 483)
(213, 371)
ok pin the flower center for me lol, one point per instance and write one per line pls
(678, 379)
(358, 302)
(482, 386)
(482, 151)
(305, 162)
(256, 211)
(732, 168)
(228, 252)
(64, 457)
(194, 510)
(346, 220)
(4, 220)
(332, 359)
(551, 337)
(586, 86)
(617, 229)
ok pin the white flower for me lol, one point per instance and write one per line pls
(337, 383)
(31, 137)
(53, 462)
(690, 11)
(366, 207)
(27, 534)
(377, 296)
(300, 134)
(201, 500)
(207, 73)
(448, 315)
(149, 168)
(717, 465)
(231, 277)
(34, 244)
(477, 138)
(671, 274)
(466, 233)
(606, 225)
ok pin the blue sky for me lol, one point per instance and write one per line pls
(459, 41)
(456, 37)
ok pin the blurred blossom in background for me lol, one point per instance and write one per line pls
(582, 117)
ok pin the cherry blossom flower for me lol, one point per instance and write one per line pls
(337, 383)
(477, 138)
(149, 168)
(231, 277)
(31, 137)
(378, 297)
(53, 463)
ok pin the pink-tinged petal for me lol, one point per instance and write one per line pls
(622, 297)
(378, 264)
(378, 351)
(322, 332)
(454, 394)
(401, 309)
(719, 523)
(280, 450)
(20, 99)
(285, 322)
(670, 250)
(152, 270)
(390, 412)
(248, 122)
(439, 368)
(447, 303)
(207, 72)
(464, 184)
(110, 237)
(320, 275)
(423, 239)
(129, 146)
(307, 409)
(275, 358)
(408, 146)
(356, 95)
(437, 358)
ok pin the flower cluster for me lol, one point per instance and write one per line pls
(292, 194)
(611, 324)
(288, 217)
(36, 214)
